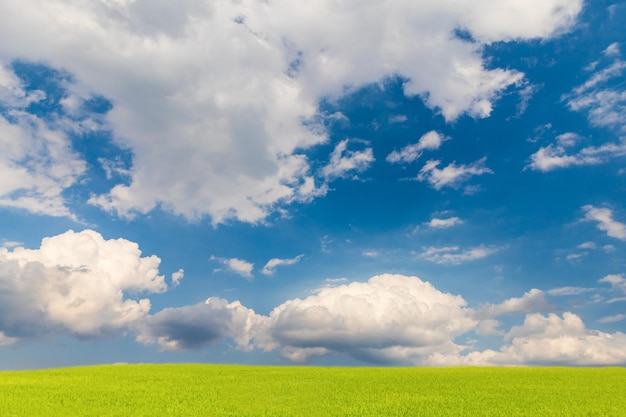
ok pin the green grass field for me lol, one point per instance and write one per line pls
(216, 390)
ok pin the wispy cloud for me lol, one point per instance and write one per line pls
(602, 99)
(555, 156)
(431, 140)
(452, 175)
(612, 319)
(456, 255)
(272, 264)
(606, 223)
(563, 291)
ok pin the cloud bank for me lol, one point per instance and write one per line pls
(81, 285)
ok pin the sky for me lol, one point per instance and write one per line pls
(359, 183)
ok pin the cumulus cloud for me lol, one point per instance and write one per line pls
(606, 223)
(199, 325)
(343, 161)
(452, 175)
(274, 263)
(76, 283)
(236, 265)
(456, 255)
(431, 140)
(551, 340)
(389, 318)
(223, 137)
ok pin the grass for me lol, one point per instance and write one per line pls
(222, 390)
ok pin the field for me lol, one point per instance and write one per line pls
(218, 390)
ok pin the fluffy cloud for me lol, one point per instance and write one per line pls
(431, 140)
(552, 340)
(606, 223)
(388, 318)
(236, 265)
(343, 161)
(456, 255)
(215, 101)
(452, 175)
(274, 263)
(77, 283)
(199, 325)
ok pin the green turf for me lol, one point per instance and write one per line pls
(216, 390)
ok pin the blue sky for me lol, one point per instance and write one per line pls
(357, 183)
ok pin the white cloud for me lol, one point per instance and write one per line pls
(389, 318)
(600, 97)
(436, 223)
(343, 161)
(177, 277)
(222, 137)
(531, 302)
(456, 255)
(552, 157)
(616, 280)
(452, 175)
(37, 164)
(612, 319)
(612, 50)
(75, 283)
(236, 265)
(274, 263)
(562, 291)
(606, 223)
(587, 245)
(431, 140)
(548, 340)
(10, 243)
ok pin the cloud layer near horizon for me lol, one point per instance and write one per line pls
(217, 101)
(81, 285)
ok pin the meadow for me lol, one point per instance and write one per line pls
(226, 390)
